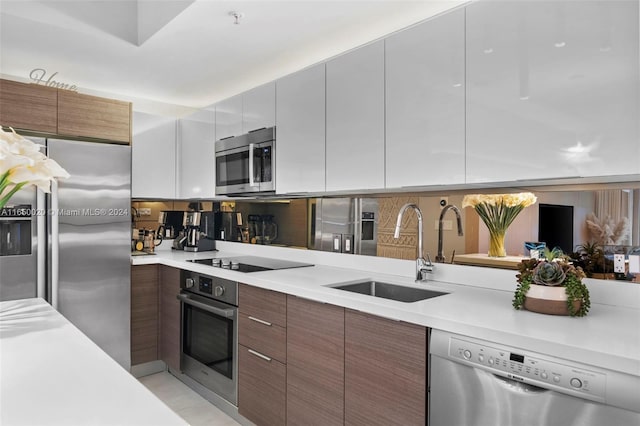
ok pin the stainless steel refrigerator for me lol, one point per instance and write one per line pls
(72, 247)
(344, 225)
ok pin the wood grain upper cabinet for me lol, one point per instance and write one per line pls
(425, 104)
(144, 314)
(262, 371)
(552, 89)
(170, 317)
(196, 155)
(28, 106)
(300, 127)
(93, 117)
(153, 156)
(355, 120)
(259, 107)
(385, 371)
(315, 363)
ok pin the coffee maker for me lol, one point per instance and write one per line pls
(228, 226)
(199, 231)
(170, 223)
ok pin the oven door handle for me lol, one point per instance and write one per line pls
(227, 313)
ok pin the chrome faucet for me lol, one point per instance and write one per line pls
(440, 257)
(422, 266)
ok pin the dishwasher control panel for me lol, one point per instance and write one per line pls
(531, 369)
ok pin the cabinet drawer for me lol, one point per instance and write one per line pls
(264, 337)
(261, 388)
(265, 305)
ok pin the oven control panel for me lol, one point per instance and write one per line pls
(588, 383)
(212, 287)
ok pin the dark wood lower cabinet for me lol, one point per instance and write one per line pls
(261, 388)
(170, 317)
(385, 371)
(144, 314)
(315, 363)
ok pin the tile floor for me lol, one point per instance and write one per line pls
(193, 408)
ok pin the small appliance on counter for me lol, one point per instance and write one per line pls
(262, 229)
(228, 226)
(170, 223)
(199, 231)
(144, 241)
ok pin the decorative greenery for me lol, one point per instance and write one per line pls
(498, 211)
(555, 269)
(591, 257)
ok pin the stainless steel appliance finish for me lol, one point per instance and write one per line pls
(474, 382)
(245, 164)
(250, 263)
(170, 223)
(19, 258)
(344, 225)
(80, 259)
(200, 232)
(209, 327)
(389, 291)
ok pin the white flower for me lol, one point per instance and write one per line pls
(22, 164)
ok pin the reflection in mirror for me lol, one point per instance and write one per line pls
(588, 222)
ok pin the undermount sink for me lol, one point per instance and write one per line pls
(389, 291)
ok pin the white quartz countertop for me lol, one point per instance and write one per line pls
(608, 337)
(52, 374)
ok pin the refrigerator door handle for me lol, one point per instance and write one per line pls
(357, 226)
(41, 250)
(55, 245)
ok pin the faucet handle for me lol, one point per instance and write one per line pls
(428, 266)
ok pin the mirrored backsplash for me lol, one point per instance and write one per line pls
(576, 218)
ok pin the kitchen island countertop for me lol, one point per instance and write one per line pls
(607, 337)
(52, 374)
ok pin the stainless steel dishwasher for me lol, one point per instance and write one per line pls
(479, 383)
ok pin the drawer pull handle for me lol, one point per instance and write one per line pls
(259, 355)
(260, 321)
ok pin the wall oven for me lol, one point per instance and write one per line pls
(209, 355)
(246, 164)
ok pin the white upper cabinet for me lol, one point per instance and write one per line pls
(228, 117)
(248, 111)
(300, 127)
(259, 107)
(355, 120)
(153, 156)
(196, 139)
(425, 105)
(552, 89)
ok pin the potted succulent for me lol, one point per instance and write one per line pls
(551, 285)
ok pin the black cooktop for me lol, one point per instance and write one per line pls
(250, 263)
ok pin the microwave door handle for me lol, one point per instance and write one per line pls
(252, 181)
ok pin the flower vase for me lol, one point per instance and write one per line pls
(496, 244)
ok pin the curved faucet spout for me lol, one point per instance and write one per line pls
(440, 257)
(421, 264)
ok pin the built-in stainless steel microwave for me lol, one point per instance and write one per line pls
(245, 164)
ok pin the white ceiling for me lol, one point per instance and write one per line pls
(188, 52)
